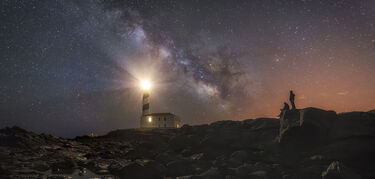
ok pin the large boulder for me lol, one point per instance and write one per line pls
(306, 127)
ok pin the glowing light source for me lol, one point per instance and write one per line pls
(149, 119)
(145, 85)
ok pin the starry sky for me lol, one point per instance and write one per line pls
(69, 68)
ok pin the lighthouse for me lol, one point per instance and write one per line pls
(146, 98)
(155, 120)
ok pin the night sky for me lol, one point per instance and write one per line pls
(73, 67)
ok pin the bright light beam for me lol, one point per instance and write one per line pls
(145, 85)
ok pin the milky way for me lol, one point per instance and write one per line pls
(73, 67)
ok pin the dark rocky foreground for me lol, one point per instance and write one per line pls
(306, 143)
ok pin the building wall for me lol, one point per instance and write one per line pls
(160, 121)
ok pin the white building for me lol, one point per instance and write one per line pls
(160, 120)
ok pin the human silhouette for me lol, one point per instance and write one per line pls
(285, 108)
(291, 99)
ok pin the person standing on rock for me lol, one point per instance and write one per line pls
(291, 99)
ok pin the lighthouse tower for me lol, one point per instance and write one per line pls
(146, 103)
(155, 120)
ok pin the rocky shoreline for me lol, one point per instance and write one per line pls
(305, 143)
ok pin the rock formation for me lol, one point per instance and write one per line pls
(306, 127)
(305, 143)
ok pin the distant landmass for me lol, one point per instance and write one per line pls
(302, 143)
